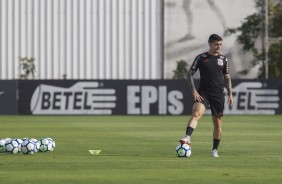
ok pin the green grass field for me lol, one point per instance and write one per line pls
(141, 149)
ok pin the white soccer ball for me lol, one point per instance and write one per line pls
(45, 145)
(2, 145)
(183, 150)
(37, 144)
(12, 146)
(8, 139)
(19, 141)
(25, 138)
(28, 147)
(53, 144)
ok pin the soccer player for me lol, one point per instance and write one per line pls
(214, 75)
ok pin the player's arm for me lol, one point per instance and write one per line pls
(191, 83)
(191, 80)
(228, 85)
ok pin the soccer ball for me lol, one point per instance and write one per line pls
(19, 141)
(12, 146)
(183, 150)
(28, 147)
(45, 145)
(2, 145)
(37, 144)
(25, 138)
(7, 139)
(53, 144)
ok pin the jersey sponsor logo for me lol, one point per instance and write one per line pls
(140, 100)
(81, 98)
(220, 62)
(253, 98)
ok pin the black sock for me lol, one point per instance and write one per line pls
(215, 143)
(189, 131)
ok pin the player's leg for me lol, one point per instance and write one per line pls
(197, 112)
(217, 129)
(217, 106)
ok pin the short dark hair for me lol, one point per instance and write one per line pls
(214, 37)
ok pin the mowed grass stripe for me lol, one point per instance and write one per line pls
(140, 149)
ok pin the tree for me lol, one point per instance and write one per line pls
(27, 67)
(252, 30)
(275, 56)
(181, 71)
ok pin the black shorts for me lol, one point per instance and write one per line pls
(215, 102)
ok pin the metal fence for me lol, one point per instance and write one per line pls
(82, 39)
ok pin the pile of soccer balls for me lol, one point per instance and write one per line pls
(26, 145)
(183, 150)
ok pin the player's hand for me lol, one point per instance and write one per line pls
(197, 97)
(230, 101)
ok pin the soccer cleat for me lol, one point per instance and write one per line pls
(214, 153)
(185, 140)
